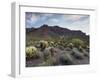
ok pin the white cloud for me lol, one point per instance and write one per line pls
(74, 22)
(73, 17)
(34, 17)
(80, 25)
(54, 20)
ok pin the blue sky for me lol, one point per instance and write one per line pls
(70, 21)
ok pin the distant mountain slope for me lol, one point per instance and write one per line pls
(46, 31)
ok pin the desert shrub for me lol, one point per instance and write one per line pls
(70, 45)
(85, 53)
(66, 59)
(77, 42)
(50, 62)
(77, 54)
(60, 47)
(43, 44)
(80, 49)
(87, 48)
(53, 51)
(51, 43)
(46, 63)
(68, 49)
(43, 64)
(61, 41)
(84, 46)
(29, 43)
(40, 55)
(47, 53)
(65, 44)
(55, 44)
(36, 44)
(31, 52)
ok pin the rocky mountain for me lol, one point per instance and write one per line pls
(46, 31)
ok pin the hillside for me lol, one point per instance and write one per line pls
(51, 32)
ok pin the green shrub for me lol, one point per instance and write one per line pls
(77, 42)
